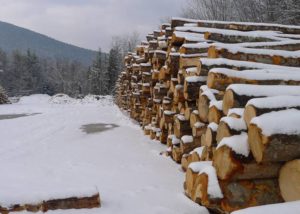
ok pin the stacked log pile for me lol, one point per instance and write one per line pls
(224, 97)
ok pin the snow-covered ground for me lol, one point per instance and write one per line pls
(48, 155)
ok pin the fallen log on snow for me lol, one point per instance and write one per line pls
(237, 95)
(275, 136)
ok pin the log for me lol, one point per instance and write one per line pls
(206, 64)
(248, 193)
(192, 85)
(203, 104)
(223, 38)
(271, 141)
(215, 112)
(206, 191)
(190, 60)
(177, 22)
(232, 166)
(230, 126)
(198, 129)
(220, 78)
(237, 95)
(210, 135)
(236, 112)
(277, 57)
(289, 181)
(191, 175)
(194, 118)
(181, 126)
(194, 48)
(245, 26)
(176, 154)
(72, 203)
(259, 106)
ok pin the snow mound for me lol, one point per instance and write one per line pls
(35, 99)
(61, 99)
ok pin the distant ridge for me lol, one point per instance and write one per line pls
(13, 38)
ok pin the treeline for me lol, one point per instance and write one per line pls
(27, 73)
(272, 11)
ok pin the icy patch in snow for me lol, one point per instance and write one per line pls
(238, 143)
(14, 116)
(280, 122)
(97, 127)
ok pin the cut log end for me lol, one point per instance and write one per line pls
(289, 181)
(256, 142)
(228, 101)
(249, 113)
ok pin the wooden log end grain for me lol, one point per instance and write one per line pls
(289, 180)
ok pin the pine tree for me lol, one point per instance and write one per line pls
(98, 75)
(114, 66)
(3, 96)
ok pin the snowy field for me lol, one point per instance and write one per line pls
(47, 154)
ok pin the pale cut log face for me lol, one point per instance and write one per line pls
(228, 101)
(224, 163)
(255, 141)
(222, 132)
(289, 181)
(250, 113)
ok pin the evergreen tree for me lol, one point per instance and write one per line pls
(98, 76)
(114, 66)
(3, 96)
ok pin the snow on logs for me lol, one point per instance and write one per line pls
(237, 95)
(277, 57)
(217, 106)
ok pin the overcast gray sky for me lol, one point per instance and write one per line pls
(88, 23)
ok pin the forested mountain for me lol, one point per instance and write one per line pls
(16, 38)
